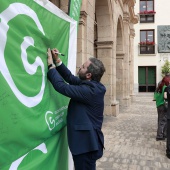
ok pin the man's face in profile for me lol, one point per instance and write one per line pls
(82, 72)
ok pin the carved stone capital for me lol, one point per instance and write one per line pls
(83, 16)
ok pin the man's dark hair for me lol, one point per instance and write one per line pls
(96, 68)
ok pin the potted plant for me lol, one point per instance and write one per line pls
(165, 68)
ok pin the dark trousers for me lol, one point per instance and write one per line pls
(162, 122)
(168, 138)
(87, 161)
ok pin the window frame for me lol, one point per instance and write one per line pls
(146, 16)
(147, 45)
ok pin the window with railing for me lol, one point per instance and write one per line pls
(147, 42)
(147, 13)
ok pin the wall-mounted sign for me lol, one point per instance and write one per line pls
(164, 39)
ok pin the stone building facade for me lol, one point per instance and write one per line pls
(106, 31)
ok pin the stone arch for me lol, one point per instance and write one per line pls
(119, 60)
(103, 20)
(119, 39)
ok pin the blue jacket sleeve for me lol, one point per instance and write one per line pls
(67, 75)
(81, 92)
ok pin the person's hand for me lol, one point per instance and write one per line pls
(55, 55)
(50, 59)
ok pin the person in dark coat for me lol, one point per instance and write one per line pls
(162, 111)
(85, 110)
(167, 96)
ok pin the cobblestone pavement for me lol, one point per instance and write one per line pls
(130, 142)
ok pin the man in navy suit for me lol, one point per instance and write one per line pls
(85, 110)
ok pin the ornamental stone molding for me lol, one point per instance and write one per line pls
(132, 32)
(126, 17)
(120, 55)
(83, 16)
(104, 44)
(129, 2)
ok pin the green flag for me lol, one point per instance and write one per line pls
(74, 9)
(33, 115)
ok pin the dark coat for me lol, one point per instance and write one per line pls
(85, 110)
(168, 98)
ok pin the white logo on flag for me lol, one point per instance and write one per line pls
(12, 11)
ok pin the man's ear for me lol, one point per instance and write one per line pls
(88, 75)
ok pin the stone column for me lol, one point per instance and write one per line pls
(85, 40)
(105, 53)
(64, 5)
(126, 92)
(82, 40)
(120, 84)
(131, 63)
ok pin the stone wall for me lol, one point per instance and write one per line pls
(106, 32)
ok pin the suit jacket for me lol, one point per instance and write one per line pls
(85, 110)
(168, 98)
